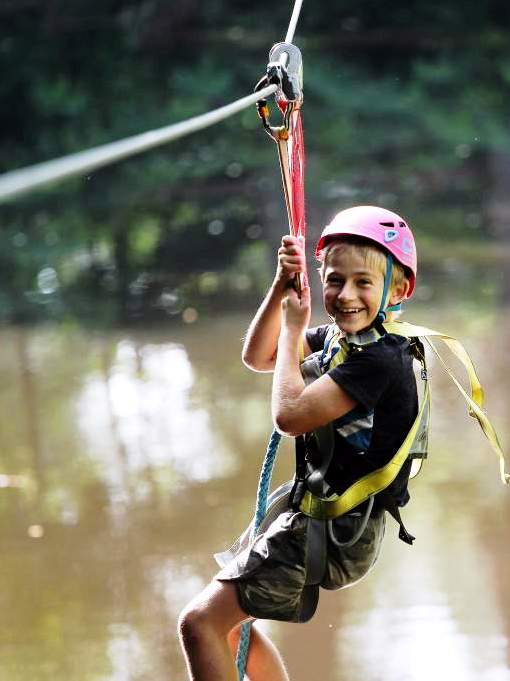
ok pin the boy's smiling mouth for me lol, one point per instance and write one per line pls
(349, 310)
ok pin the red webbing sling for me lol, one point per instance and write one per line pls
(287, 74)
(296, 162)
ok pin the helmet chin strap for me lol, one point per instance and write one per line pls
(383, 309)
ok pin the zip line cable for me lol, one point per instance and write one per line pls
(18, 182)
(293, 21)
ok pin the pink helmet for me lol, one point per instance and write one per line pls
(387, 229)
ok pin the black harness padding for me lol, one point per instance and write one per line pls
(299, 488)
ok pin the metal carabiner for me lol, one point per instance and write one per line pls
(285, 69)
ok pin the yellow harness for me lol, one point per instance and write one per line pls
(336, 505)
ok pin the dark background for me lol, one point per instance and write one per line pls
(405, 106)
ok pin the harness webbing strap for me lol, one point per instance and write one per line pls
(315, 500)
(378, 480)
(413, 330)
(369, 484)
(475, 401)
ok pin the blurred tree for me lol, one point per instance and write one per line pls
(401, 101)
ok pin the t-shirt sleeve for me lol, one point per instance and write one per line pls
(366, 374)
(316, 336)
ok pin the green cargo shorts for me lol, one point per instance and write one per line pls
(271, 574)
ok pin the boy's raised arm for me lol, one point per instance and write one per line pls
(261, 342)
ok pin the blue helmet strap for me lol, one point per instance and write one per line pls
(381, 315)
(394, 308)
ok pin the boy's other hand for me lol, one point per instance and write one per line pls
(291, 259)
(296, 310)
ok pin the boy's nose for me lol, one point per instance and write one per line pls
(346, 292)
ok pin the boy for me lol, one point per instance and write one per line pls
(355, 413)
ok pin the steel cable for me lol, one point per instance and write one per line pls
(24, 180)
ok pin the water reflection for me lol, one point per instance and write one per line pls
(126, 460)
(135, 415)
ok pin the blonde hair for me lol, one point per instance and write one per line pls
(373, 256)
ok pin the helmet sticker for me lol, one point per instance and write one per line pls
(390, 235)
(407, 245)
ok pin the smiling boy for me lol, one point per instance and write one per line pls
(354, 400)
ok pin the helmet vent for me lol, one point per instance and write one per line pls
(387, 224)
(402, 224)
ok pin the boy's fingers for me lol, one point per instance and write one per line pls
(291, 244)
(290, 255)
(292, 267)
(305, 295)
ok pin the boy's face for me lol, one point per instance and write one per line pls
(352, 289)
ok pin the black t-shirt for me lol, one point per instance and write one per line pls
(380, 377)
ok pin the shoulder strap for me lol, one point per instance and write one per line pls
(475, 401)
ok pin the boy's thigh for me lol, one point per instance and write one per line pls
(270, 576)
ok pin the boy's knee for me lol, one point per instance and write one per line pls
(215, 611)
(191, 622)
(198, 619)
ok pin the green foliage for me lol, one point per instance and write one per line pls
(403, 105)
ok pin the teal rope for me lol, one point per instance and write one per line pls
(260, 511)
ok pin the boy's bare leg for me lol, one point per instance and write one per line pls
(264, 661)
(204, 628)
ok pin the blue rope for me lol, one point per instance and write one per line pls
(260, 511)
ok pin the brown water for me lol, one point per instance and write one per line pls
(127, 459)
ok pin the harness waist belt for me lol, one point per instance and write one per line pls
(319, 508)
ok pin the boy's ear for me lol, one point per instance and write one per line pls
(399, 293)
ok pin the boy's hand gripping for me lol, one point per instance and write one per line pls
(296, 310)
(291, 262)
